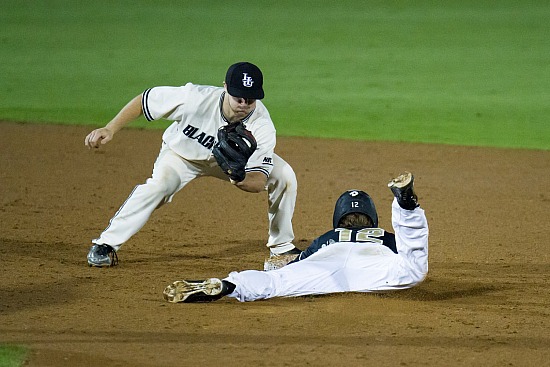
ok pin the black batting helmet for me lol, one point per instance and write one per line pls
(354, 201)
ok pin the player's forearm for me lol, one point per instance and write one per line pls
(127, 114)
(254, 182)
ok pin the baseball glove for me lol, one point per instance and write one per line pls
(234, 147)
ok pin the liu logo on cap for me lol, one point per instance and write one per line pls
(247, 80)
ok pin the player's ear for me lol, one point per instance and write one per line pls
(225, 86)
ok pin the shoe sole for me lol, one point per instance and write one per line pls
(99, 265)
(180, 290)
(401, 181)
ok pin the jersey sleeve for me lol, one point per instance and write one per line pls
(321, 241)
(266, 136)
(163, 102)
(262, 159)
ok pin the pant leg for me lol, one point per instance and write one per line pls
(282, 188)
(411, 237)
(170, 174)
(318, 274)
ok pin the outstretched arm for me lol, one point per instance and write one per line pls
(253, 182)
(127, 114)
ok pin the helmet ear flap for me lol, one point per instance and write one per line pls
(354, 201)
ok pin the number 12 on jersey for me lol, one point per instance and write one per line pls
(371, 235)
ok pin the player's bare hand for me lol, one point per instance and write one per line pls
(98, 137)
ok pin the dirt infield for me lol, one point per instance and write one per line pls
(485, 301)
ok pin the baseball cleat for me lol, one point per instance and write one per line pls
(402, 188)
(277, 261)
(102, 255)
(189, 291)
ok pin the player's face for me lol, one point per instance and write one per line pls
(239, 107)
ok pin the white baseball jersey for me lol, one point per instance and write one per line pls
(194, 131)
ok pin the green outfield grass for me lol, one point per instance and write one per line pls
(453, 72)
(12, 356)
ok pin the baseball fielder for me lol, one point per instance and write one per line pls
(198, 113)
(355, 256)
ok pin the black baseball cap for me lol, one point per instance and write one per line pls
(245, 80)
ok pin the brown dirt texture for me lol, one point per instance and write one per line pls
(485, 301)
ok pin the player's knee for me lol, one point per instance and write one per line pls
(284, 175)
(290, 177)
(163, 186)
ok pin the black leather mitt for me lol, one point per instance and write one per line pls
(234, 147)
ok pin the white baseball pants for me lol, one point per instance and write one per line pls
(171, 173)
